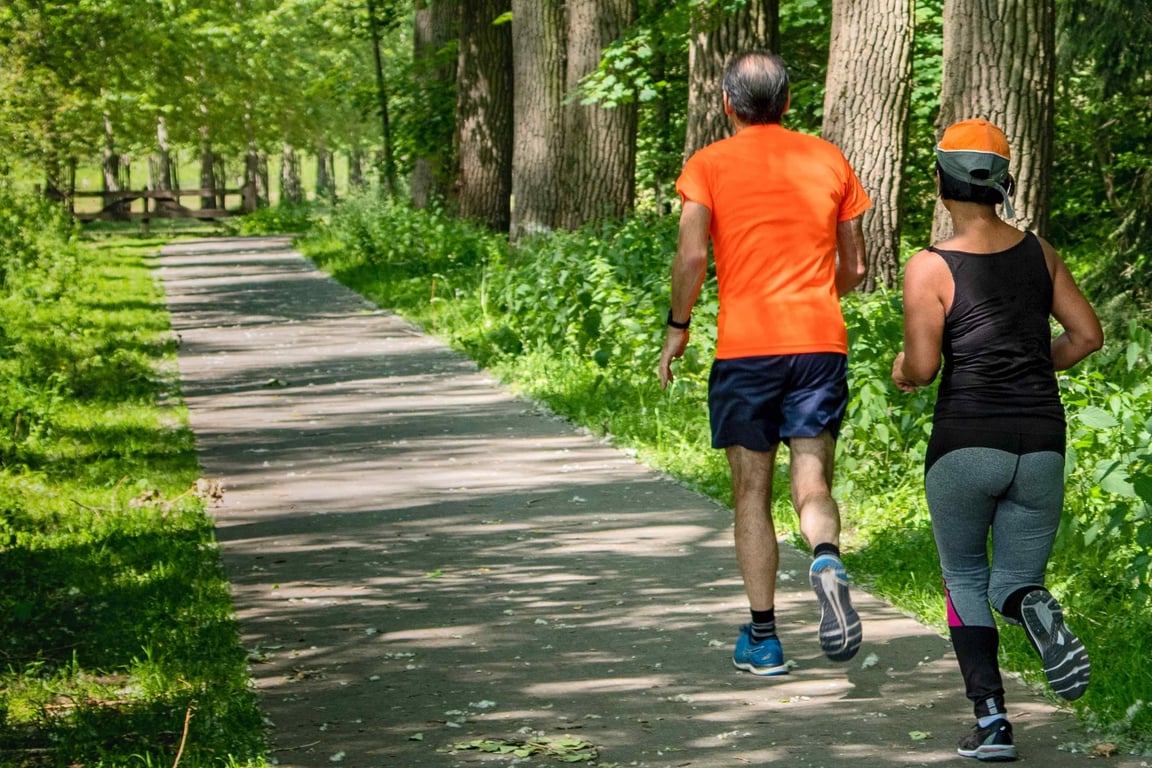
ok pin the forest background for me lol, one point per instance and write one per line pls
(502, 171)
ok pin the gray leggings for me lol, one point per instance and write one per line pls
(972, 491)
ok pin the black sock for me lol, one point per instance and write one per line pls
(763, 625)
(825, 549)
(976, 651)
(1012, 604)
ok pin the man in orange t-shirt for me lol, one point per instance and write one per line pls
(782, 210)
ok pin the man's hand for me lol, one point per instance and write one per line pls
(674, 345)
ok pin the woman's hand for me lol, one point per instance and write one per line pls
(898, 378)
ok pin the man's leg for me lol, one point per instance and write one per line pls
(813, 461)
(757, 648)
(756, 549)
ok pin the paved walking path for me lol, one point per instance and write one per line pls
(420, 560)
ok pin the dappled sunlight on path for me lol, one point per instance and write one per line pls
(420, 560)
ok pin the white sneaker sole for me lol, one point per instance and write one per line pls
(1065, 660)
(840, 630)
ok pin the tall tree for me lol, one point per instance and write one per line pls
(484, 113)
(599, 155)
(434, 70)
(388, 163)
(1000, 64)
(538, 95)
(866, 97)
(715, 36)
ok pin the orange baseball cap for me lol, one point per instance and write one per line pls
(976, 151)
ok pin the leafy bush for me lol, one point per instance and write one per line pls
(285, 218)
(33, 232)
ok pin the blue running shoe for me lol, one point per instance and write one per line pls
(840, 630)
(765, 658)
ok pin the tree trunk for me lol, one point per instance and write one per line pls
(291, 190)
(659, 125)
(999, 64)
(111, 170)
(207, 171)
(220, 173)
(388, 171)
(435, 74)
(264, 186)
(251, 191)
(164, 166)
(325, 179)
(483, 138)
(356, 168)
(866, 97)
(599, 150)
(715, 37)
(538, 74)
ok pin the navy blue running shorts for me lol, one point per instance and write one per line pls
(757, 402)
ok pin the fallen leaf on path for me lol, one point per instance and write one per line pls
(919, 735)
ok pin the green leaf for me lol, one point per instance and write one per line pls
(1097, 418)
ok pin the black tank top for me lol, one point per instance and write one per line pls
(997, 344)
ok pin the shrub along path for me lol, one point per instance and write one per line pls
(424, 566)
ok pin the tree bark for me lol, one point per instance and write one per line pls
(599, 168)
(325, 179)
(356, 168)
(388, 161)
(207, 172)
(291, 189)
(111, 170)
(435, 27)
(538, 93)
(164, 165)
(483, 137)
(484, 114)
(715, 37)
(999, 64)
(866, 97)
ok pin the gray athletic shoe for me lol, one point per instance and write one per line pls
(840, 630)
(1065, 660)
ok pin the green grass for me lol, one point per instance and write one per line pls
(118, 645)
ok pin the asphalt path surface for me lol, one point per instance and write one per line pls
(425, 567)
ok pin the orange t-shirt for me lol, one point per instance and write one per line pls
(775, 197)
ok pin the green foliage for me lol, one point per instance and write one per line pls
(919, 192)
(576, 320)
(285, 218)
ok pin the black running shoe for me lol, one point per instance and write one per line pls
(989, 745)
(1065, 660)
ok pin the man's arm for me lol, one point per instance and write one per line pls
(851, 256)
(688, 272)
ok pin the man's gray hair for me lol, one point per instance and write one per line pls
(757, 86)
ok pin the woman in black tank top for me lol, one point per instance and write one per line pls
(982, 300)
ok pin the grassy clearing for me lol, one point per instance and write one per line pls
(576, 321)
(117, 640)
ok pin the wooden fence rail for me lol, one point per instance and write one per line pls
(121, 205)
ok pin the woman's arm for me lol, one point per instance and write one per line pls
(1082, 333)
(928, 292)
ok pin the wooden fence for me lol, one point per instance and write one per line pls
(146, 204)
